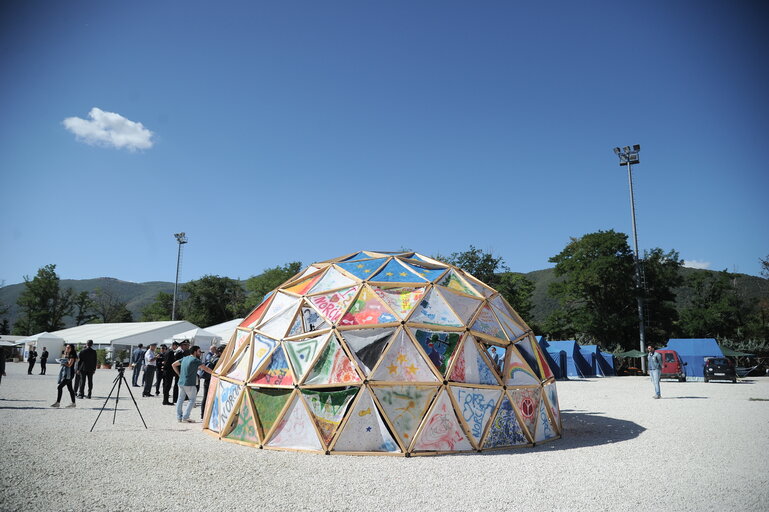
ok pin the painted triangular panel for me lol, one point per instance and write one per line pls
(438, 345)
(544, 429)
(403, 362)
(261, 346)
(487, 324)
(255, 316)
(365, 430)
(362, 269)
(552, 398)
(434, 310)
(240, 365)
(512, 329)
(527, 402)
(454, 281)
(480, 287)
(277, 326)
(307, 320)
(224, 402)
(518, 372)
(424, 270)
(303, 286)
(367, 309)
(243, 423)
(395, 272)
(333, 305)
(210, 399)
(295, 429)
(470, 366)
(547, 373)
(526, 350)
(332, 280)
(241, 336)
(462, 305)
(280, 303)
(268, 404)
(505, 429)
(302, 353)
(441, 431)
(367, 345)
(328, 408)
(405, 406)
(359, 256)
(401, 299)
(276, 373)
(476, 406)
(332, 367)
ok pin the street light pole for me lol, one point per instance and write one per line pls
(629, 156)
(181, 238)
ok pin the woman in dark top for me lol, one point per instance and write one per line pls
(66, 374)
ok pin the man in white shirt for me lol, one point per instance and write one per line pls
(150, 362)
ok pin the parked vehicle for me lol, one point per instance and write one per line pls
(719, 368)
(672, 365)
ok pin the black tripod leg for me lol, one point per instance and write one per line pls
(117, 399)
(137, 405)
(115, 382)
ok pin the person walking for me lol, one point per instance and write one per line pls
(187, 368)
(66, 374)
(43, 360)
(31, 358)
(87, 368)
(150, 362)
(137, 359)
(655, 369)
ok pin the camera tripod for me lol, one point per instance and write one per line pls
(117, 382)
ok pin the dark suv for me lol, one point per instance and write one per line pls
(719, 368)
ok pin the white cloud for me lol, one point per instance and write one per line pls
(696, 264)
(110, 130)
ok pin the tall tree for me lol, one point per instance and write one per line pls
(259, 286)
(160, 309)
(83, 308)
(518, 290)
(109, 307)
(43, 303)
(212, 300)
(481, 264)
(662, 274)
(714, 309)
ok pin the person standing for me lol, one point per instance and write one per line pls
(137, 359)
(169, 377)
(187, 368)
(150, 361)
(31, 358)
(159, 370)
(43, 360)
(87, 367)
(655, 369)
(2, 363)
(66, 373)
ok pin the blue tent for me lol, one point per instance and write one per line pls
(570, 363)
(693, 352)
(608, 357)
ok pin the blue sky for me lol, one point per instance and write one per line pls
(281, 131)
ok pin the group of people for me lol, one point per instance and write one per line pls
(32, 359)
(181, 369)
(78, 367)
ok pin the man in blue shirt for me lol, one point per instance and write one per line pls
(187, 368)
(655, 369)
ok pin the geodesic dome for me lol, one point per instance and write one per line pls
(380, 353)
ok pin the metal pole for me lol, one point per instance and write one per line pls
(642, 341)
(176, 283)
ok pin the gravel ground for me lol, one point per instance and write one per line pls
(702, 447)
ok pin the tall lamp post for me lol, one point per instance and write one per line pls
(181, 239)
(629, 156)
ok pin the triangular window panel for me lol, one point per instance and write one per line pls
(470, 366)
(505, 429)
(365, 431)
(333, 305)
(241, 336)
(332, 280)
(441, 431)
(302, 353)
(405, 406)
(401, 299)
(328, 408)
(278, 325)
(487, 324)
(279, 305)
(517, 371)
(276, 373)
(395, 272)
(544, 427)
(362, 269)
(256, 315)
(496, 355)
(476, 406)
(512, 329)
(479, 286)
(552, 399)
(303, 286)
(295, 429)
(464, 306)
(425, 271)
(307, 320)
(453, 281)
(268, 404)
(439, 346)
(332, 367)
(434, 310)
(403, 362)
(224, 402)
(367, 309)
(527, 402)
(524, 347)
(367, 345)
(243, 424)
(261, 347)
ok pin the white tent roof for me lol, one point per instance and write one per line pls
(129, 333)
(225, 330)
(41, 336)
(196, 335)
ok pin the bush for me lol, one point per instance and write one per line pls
(101, 356)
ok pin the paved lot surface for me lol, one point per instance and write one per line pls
(702, 447)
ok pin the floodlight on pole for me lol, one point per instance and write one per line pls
(181, 239)
(629, 156)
